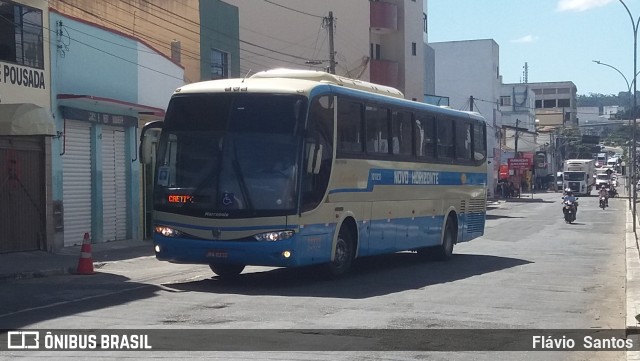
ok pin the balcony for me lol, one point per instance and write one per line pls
(384, 72)
(383, 17)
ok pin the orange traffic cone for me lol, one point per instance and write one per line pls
(85, 263)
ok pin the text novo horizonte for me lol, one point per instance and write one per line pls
(415, 177)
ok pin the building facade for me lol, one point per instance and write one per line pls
(517, 109)
(197, 39)
(556, 103)
(26, 127)
(103, 85)
(377, 41)
(468, 73)
(201, 35)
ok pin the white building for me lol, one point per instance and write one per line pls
(379, 41)
(610, 111)
(467, 70)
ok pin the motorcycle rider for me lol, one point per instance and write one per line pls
(604, 192)
(568, 196)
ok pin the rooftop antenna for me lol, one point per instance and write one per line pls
(525, 73)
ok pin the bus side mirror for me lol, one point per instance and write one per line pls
(147, 139)
(314, 159)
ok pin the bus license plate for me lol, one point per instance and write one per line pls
(217, 254)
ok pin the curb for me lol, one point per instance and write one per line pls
(632, 286)
(37, 274)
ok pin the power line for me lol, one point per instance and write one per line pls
(298, 11)
(149, 38)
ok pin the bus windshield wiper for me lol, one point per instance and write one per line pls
(241, 182)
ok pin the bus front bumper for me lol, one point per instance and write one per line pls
(273, 254)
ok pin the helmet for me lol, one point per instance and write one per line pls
(568, 190)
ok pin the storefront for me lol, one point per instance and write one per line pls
(25, 138)
(98, 170)
(26, 128)
(97, 178)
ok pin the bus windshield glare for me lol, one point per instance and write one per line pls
(230, 155)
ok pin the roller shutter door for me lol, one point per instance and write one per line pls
(22, 194)
(76, 184)
(114, 184)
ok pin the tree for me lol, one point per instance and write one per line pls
(571, 146)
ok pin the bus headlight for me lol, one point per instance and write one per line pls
(273, 236)
(168, 231)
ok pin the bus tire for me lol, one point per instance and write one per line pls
(226, 270)
(444, 251)
(343, 254)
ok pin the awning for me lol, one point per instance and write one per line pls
(106, 105)
(25, 119)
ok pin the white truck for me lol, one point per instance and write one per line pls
(579, 176)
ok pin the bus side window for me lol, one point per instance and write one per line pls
(463, 140)
(424, 136)
(401, 132)
(479, 142)
(350, 138)
(377, 127)
(319, 136)
(444, 130)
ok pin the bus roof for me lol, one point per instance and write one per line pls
(303, 82)
(293, 80)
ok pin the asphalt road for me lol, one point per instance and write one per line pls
(531, 270)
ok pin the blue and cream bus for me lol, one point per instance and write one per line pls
(290, 168)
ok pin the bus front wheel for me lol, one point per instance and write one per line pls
(444, 251)
(343, 254)
(227, 270)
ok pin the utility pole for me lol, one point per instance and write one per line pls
(516, 142)
(328, 21)
(552, 163)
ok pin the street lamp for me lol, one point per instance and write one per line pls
(623, 77)
(619, 72)
(629, 185)
(634, 24)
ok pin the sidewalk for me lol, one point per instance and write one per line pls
(19, 265)
(632, 285)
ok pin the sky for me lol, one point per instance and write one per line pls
(558, 39)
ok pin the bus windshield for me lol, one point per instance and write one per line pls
(230, 155)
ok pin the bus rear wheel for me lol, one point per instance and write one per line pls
(227, 270)
(343, 255)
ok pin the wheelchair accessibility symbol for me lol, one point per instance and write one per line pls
(227, 198)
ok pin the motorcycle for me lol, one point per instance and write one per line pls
(613, 192)
(569, 209)
(603, 202)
